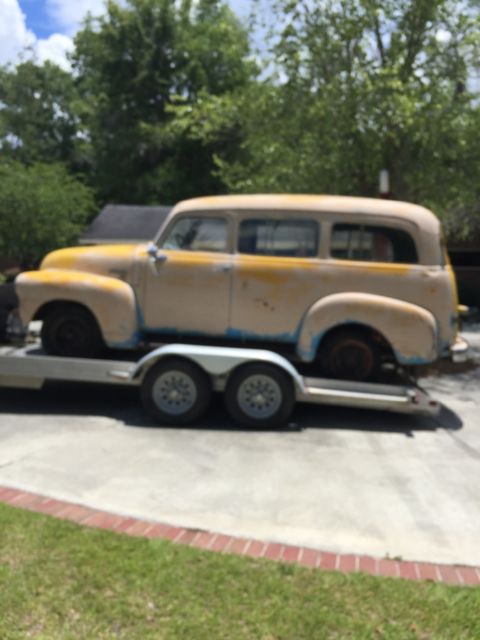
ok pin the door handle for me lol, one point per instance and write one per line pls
(224, 268)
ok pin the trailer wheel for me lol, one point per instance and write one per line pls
(71, 331)
(260, 395)
(349, 355)
(176, 391)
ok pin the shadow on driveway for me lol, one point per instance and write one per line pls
(123, 404)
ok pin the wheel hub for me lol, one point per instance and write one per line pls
(259, 396)
(352, 359)
(174, 392)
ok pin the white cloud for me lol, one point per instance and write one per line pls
(55, 49)
(14, 35)
(68, 15)
(17, 42)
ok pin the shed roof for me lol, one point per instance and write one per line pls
(125, 224)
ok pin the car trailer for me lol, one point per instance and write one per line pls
(176, 382)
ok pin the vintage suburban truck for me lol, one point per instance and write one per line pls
(347, 282)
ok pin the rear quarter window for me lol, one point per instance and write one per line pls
(369, 243)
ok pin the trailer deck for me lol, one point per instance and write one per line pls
(29, 367)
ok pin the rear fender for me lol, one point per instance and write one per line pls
(111, 301)
(410, 329)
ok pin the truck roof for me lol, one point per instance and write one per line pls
(414, 213)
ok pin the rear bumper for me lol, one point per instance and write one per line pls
(460, 350)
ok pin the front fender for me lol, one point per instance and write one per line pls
(111, 301)
(410, 329)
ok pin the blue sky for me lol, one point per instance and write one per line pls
(37, 17)
(47, 27)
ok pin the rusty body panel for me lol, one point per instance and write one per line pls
(241, 296)
(411, 330)
(111, 301)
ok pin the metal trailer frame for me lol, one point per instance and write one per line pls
(29, 367)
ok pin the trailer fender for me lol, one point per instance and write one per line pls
(218, 362)
(111, 300)
(411, 330)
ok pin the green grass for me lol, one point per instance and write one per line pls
(59, 580)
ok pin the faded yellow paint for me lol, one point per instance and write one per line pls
(74, 257)
(188, 292)
(111, 301)
(262, 297)
(61, 278)
(293, 293)
(390, 268)
(411, 330)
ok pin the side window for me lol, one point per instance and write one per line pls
(290, 238)
(372, 244)
(197, 234)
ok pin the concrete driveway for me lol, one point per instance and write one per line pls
(338, 479)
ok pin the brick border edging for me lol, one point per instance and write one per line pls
(346, 563)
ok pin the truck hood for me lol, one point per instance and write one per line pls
(105, 260)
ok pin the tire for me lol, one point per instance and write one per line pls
(274, 397)
(176, 392)
(71, 331)
(349, 355)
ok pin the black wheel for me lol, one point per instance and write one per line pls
(176, 391)
(71, 331)
(260, 395)
(349, 355)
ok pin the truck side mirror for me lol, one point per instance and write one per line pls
(154, 254)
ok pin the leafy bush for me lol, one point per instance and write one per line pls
(42, 207)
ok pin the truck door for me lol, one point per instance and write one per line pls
(187, 286)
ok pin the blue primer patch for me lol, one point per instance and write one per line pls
(444, 349)
(308, 355)
(238, 334)
(130, 343)
(138, 313)
(173, 331)
(412, 361)
(137, 336)
(233, 334)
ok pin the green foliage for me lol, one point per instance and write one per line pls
(42, 208)
(359, 86)
(37, 121)
(132, 64)
(166, 102)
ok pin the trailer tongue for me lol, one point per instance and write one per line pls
(176, 382)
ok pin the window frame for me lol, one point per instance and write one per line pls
(364, 226)
(273, 217)
(176, 219)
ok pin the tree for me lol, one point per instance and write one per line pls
(132, 65)
(359, 86)
(42, 208)
(37, 119)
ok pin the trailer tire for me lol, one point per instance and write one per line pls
(260, 395)
(176, 392)
(71, 331)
